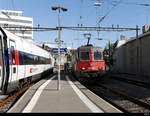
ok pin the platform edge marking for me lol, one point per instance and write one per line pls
(36, 96)
(88, 102)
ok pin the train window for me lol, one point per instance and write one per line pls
(25, 58)
(21, 58)
(97, 55)
(84, 56)
(49, 61)
(41, 60)
(35, 59)
(13, 55)
(77, 55)
(30, 59)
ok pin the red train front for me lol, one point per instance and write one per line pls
(88, 62)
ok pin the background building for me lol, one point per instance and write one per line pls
(133, 56)
(118, 55)
(53, 48)
(9, 19)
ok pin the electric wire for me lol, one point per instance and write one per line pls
(115, 5)
(13, 5)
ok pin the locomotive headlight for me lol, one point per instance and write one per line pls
(83, 68)
(91, 64)
(100, 68)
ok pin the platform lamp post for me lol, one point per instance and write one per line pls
(59, 40)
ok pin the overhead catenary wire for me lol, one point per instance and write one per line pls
(80, 24)
(103, 17)
(81, 14)
(115, 5)
(98, 13)
(13, 5)
(135, 3)
(139, 4)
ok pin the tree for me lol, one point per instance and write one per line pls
(108, 54)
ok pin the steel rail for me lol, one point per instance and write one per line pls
(15, 95)
(134, 100)
(138, 83)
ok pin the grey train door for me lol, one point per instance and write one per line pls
(13, 64)
(1, 64)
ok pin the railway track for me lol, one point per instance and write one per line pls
(110, 92)
(132, 81)
(125, 103)
(128, 103)
(9, 101)
(120, 95)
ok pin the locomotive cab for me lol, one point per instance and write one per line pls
(89, 62)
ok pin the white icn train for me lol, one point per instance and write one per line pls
(21, 62)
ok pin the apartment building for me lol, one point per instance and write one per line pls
(10, 19)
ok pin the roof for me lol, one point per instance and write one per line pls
(139, 36)
(89, 47)
(121, 43)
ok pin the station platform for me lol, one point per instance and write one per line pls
(72, 97)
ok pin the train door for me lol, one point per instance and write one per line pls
(4, 67)
(1, 64)
(13, 59)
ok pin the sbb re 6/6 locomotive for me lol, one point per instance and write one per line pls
(21, 62)
(88, 63)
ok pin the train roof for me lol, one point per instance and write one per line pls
(89, 47)
(25, 45)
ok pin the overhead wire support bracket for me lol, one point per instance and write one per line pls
(72, 28)
(31, 28)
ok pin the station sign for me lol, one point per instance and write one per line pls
(61, 49)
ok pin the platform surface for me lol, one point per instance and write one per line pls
(45, 97)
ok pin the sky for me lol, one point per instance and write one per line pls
(127, 13)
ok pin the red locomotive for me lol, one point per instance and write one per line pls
(87, 62)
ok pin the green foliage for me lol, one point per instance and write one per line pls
(69, 57)
(108, 54)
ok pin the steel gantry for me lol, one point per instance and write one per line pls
(99, 28)
(71, 28)
(30, 28)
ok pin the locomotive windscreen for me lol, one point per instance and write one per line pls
(97, 55)
(84, 56)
